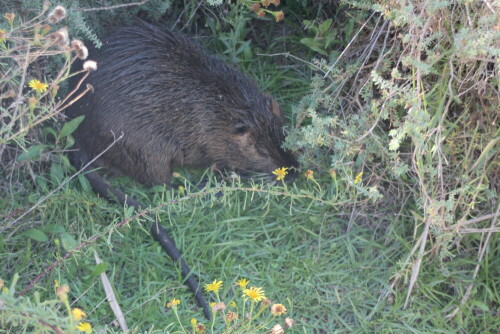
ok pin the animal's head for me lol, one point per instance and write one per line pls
(249, 138)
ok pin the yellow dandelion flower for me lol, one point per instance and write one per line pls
(38, 86)
(84, 327)
(78, 314)
(194, 321)
(243, 283)
(278, 309)
(173, 303)
(254, 294)
(358, 178)
(280, 173)
(215, 286)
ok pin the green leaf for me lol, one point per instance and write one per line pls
(68, 242)
(36, 235)
(323, 27)
(54, 228)
(99, 269)
(70, 141)
(49, 131)
(129, 211)
(70, 127)
(313, 44)
(32, 153)
(84, 183)
(56, 173)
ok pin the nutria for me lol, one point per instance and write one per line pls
(175, 105)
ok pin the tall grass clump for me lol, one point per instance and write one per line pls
(416, 113)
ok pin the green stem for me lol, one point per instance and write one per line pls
(178, 319)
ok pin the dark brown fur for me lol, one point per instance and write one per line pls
(176, 106)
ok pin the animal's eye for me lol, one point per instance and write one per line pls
(240, 129)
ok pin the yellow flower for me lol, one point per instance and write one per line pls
(84, 327)
(309, 174)
(278, 309)
(194, 321)
(279, 16)
(332, 173)
(78, 314)
(280, 173)
(10, 17)
(243, 283)
(200, 328)
(173, 303)
(255, 294)
(215, 286)
(232, 304)
(62, 292)
(2, 35)
(38, 86)
(358, 178)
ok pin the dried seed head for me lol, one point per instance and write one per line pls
(276, 2)
(289, 323)
(255, 7)
(261, 13)
(277, 329)
(230, 316)
(279, 16)
(61, 37)
(89, 65)
(266, 302)
(265, 3)
(80, 49)
(57, 14)
(219, 307)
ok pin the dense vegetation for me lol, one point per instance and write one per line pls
(392, 226)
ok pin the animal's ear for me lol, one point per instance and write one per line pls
(274, 106)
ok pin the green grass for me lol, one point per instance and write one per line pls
(301, 252)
